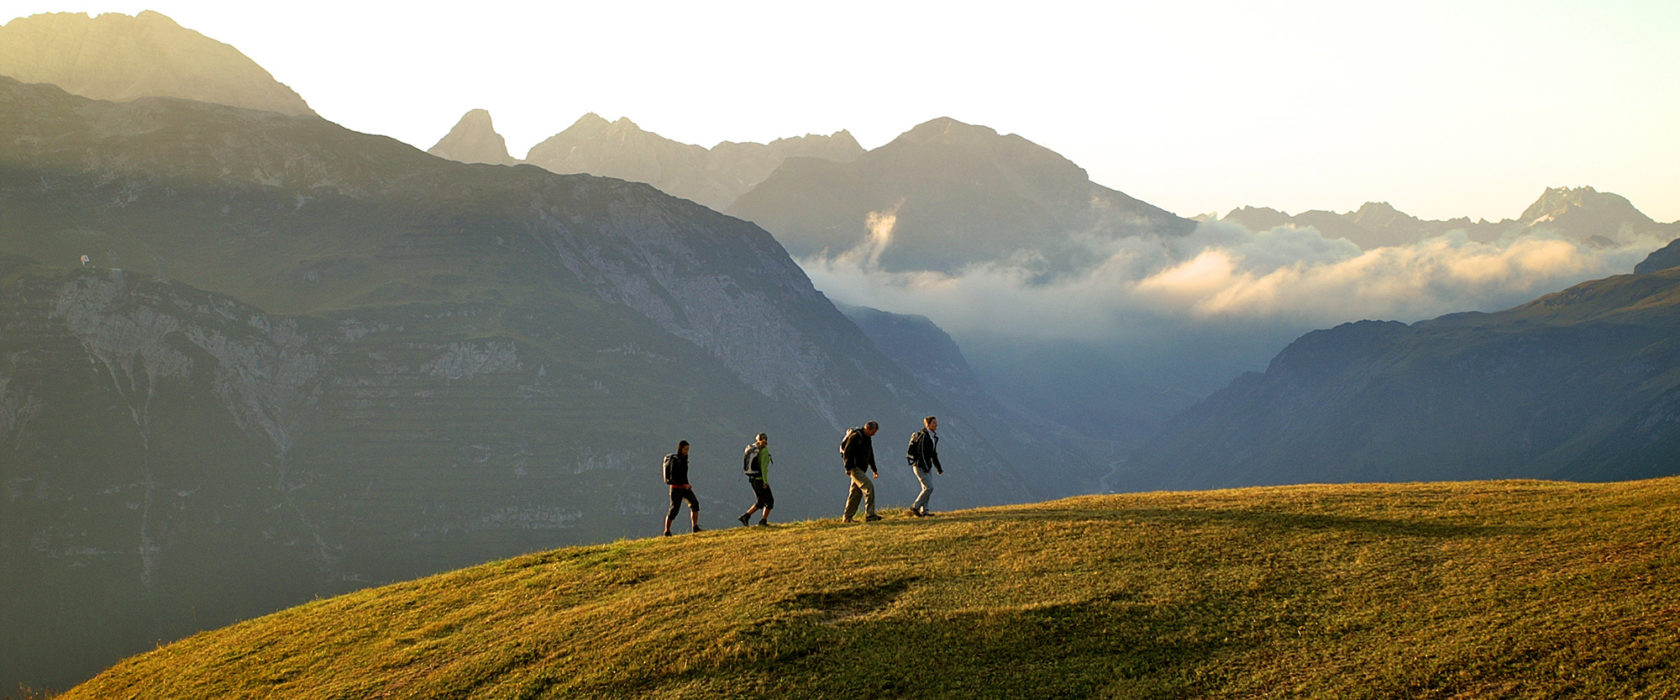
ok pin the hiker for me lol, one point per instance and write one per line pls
(923, 453)
(857, 453)
(756, 463)
(676, 476)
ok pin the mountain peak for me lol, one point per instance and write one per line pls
(474, 140)
(1606, 213)
(948, 129)
(118, 57)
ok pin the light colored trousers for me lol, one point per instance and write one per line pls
(862, 487)
(926, 477)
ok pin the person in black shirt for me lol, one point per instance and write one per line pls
(857, 453)
(676, 476)
(924, 456)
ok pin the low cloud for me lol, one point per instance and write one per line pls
(1223, 274)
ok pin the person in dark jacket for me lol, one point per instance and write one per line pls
(924, 456)
(676, 476)
(755, 462)
(857, 453)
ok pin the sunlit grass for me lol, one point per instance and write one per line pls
(1492, 588)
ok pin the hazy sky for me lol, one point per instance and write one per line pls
(1451, 108)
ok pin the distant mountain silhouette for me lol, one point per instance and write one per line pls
(1578, 385)
(1581, 214)
(117, 57)
(714, 177)
(474, 140)
(957, 195)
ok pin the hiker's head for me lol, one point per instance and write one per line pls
(763, 439)
(931, 422)
(682, 447)
(870, 428)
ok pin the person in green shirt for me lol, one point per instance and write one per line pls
(756, 463)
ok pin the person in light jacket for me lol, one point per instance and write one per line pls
(755, 462)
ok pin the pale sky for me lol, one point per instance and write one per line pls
(1442, 108)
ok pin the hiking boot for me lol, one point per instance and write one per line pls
(667, 533)
(762, 523)
(847, 520)
(914, 513)
(697, 528)
(872, 518)
(744, 518)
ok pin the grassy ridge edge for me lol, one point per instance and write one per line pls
(1438, 589)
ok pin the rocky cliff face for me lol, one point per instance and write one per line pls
(118, 57)
(473, 140)
(714, 177)
(302, 360)
(1578, 385)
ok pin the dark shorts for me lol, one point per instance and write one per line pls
(761, 490)
(680, 495)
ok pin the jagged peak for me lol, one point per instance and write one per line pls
(1559, 201)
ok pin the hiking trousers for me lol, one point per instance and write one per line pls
(862, 487)
(926, 477)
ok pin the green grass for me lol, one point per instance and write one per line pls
(1422, 590)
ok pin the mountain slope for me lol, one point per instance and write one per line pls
(1062, 459)
(956, 195)
(118, 57)
(473, 140)
(337, 361)
(1661, 259)
(1423, 590)
(714, 177)
(1582, 384)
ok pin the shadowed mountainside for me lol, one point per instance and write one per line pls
(1583, 384)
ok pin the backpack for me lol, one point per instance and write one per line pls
(666, 465)
(914, 450)
(848, 439)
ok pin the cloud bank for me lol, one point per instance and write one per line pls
(1223, 275)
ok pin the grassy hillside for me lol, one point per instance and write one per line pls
(1475, 589)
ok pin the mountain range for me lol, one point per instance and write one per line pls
(1579, 214)
(713, 176)
(947, 195)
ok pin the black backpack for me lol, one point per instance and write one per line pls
(914, 449)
